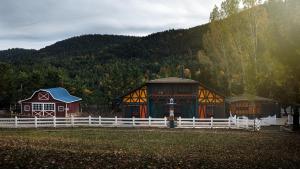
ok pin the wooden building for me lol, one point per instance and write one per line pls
(192, 99)
(50, 102)
(252, 106)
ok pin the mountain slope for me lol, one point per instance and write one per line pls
(171, 42)
(102, 67)
(99, 68)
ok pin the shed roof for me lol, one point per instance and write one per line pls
(58, 93)
(173, 80)
(61, 94)
(248, 98)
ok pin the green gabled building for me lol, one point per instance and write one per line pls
(192, 99)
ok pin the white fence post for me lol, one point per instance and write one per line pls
(90, 121)
(133, 121)
(165, 121)
(35, 122)
(179, 121)
(149, 121)
(211, 121)
(100, 120)
(116, 120)
(254, 124)
(257, 124)
(72, 120)
(16, 122)
(229, 122)
(193, 122)
(54, 121)
(237, 122)
(247, 123)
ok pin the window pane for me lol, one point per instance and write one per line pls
(48, 106)
(26, 108)
(61, 108)
(37, 107)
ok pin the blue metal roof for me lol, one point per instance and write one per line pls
(61, 94)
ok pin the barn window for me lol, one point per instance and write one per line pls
(43, 96)
(26, 108)
(37, 107)
(61, 108)
(49, 106)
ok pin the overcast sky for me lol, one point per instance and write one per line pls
(38, 23)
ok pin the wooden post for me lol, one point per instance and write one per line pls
(72, 120)
(116, 120)
(295, 117)
(100, 121)
(211, 122)
(193, 122)
(179, 121)
(90, 121)
(165, 121)
(54, 121)
(35, 122)
(149, 121)
(16, 122)
(133, 121)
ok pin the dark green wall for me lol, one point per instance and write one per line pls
(184, 95)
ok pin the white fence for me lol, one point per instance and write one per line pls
(231, 122)
(273, 120)
(270, 120)
(290, 119)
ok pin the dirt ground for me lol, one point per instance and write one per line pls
(148, 148)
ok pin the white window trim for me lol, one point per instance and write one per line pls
(33, 109)
(49, 104)
(61, 108)
(26, 107)
(43, 105)
(43, 96)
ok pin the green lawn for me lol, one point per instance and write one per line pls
(147, 148)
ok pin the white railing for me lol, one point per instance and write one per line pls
(231, 122)
(81, 121)
(270, 120)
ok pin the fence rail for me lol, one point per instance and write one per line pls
(231, 122)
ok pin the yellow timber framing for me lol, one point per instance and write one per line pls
(136, 96)
(206, 96)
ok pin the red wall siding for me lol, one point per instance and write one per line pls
(24, 112)
(61, 113)
(73, 107)
(36, 99)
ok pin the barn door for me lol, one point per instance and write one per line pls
(43, 109)
(143, 111)
(202, 111)
(49, 109)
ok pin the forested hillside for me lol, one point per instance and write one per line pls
(251, 50)
(99, 67)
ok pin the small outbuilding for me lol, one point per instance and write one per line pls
(50, 102)
(252, 106)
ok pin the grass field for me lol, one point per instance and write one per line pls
(147, 148)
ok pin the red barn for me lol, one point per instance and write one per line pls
(50, 102)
